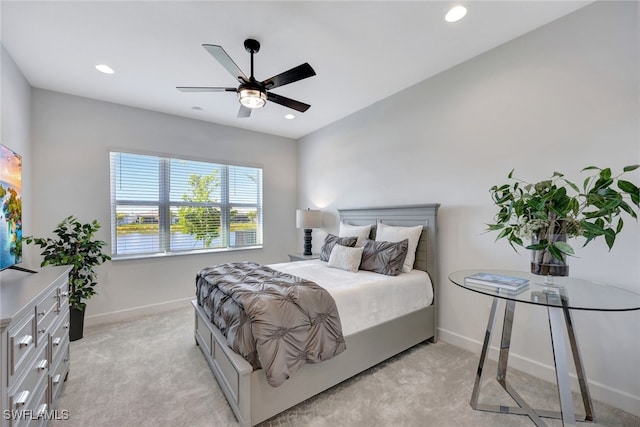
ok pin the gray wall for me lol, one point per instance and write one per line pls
(71, 139)
(559, 98)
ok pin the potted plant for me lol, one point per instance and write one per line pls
(550, 211)
(75, 245)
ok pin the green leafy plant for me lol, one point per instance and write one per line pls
(74, 245)
(557, 206)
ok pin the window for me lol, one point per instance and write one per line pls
(163, 205)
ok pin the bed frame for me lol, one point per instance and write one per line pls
(253, 400)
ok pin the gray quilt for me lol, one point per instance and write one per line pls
(276, 321)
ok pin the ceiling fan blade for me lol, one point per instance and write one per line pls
(225, 60)
(244, 112)
(206, 89)
(293, 75)
(288, 102)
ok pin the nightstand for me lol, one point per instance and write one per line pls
(299, 257)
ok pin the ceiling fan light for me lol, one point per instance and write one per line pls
(252, 98)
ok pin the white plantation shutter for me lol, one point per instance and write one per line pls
(165, 205)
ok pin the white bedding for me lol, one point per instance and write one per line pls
(364, 298)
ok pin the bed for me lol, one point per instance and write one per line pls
(249, 395)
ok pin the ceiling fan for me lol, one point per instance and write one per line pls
(252, 93)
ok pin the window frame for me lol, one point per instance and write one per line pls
(164, 204)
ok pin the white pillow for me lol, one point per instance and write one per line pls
(389, 233)
(345, 258)
(359, 231)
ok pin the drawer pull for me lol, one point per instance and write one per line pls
(42, 365)
(25, 341)
(42, 313)
(65, 294)
(22, 398)
(42, 331)
(56, 379)
(66, 325)
(56, 341)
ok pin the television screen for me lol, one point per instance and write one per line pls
(10, 208)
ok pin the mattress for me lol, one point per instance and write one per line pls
(365, 299)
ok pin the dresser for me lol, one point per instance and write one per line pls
(34, 345)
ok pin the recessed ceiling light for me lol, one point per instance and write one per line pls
(289, 116)
(104, 69)
(455, 14)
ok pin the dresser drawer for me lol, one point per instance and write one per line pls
(59, 338)
(36, 413)
(58, 374)
(21, 346)
(23, 394)
(63, 296)
(46, 314)
(48, 304)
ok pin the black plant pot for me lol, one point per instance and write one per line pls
(77, 324)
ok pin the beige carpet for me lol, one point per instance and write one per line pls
(149, 372)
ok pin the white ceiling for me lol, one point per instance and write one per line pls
(362, 51)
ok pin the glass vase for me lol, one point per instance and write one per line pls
(543, 263)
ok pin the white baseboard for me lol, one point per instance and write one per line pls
(134, 313)
(601, 392)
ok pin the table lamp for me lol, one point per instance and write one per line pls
(308, 219)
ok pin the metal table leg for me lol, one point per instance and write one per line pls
(501, 376)
(560, 361)
(524, 409)
(485, 351)
(556, 312)
(577, 360)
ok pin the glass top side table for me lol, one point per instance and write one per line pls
(564, 295)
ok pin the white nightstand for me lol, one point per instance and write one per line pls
(299, 257)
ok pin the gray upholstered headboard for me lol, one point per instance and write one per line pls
(425, 215)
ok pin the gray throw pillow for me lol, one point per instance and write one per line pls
(384, 257)
(330, 241)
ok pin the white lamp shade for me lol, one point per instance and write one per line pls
(308, 218)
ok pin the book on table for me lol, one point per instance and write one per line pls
(510, 283)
